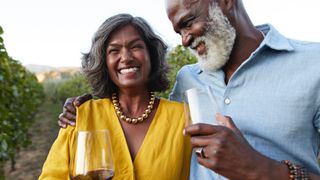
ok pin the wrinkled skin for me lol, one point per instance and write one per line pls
(226, 150)
(228, 153)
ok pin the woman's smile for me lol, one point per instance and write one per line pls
(128, 58)
(129, 70)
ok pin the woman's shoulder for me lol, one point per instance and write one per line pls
(94, 103)
(93, 108)
(89, 114)
(172, 113)
(168, 102)
(171, 105)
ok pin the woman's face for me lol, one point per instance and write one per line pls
(128, 59)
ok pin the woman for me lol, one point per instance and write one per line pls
(125, 65)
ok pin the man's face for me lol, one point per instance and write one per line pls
(204, 29)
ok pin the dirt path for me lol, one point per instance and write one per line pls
(43, 133)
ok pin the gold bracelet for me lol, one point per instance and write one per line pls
(296, 172)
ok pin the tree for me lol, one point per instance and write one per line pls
(177, 58)
(75, 86)
(20, 96)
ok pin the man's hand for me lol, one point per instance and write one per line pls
(68, 115)
(227, 152)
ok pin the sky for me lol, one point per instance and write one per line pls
(56, 32)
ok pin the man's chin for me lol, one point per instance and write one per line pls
(211, 64)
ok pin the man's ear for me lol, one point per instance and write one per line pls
(189, 3)
(226, 5)
(230, 4)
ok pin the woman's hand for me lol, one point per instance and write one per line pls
(68, 115)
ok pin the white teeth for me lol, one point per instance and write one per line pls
(129, 70)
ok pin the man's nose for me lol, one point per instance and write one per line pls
(186, 38)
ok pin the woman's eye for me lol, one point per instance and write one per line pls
(112, 51)
(137, 46)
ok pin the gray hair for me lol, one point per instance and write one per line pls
(94, 62)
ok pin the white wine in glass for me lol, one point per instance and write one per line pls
(93, 156)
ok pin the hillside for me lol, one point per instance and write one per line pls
(52, 73)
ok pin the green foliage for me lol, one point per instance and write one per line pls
(75, 86)
(50, 89)
(69, 86)
(20, 96)
(177, 58)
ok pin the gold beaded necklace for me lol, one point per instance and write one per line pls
(123, 117)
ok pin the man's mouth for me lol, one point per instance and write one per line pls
(128, 70)
(199, 46)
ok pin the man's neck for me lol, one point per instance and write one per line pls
(244, 46)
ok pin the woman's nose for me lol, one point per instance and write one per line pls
(125, 55)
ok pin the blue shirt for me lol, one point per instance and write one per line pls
(273, 98)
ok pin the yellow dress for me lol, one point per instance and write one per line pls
(164, 154)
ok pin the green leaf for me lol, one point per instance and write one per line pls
(4, 145)
(20, 96)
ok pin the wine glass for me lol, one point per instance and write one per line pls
(93, 156)
(200, 106)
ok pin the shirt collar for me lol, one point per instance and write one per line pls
(273, 39)
(196, 68)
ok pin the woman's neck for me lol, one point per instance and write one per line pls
(134, 103)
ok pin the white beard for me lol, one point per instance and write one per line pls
(218, 38)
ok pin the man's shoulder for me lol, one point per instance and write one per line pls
(307, 52)
(189, 69)
(305, 45)
(275, 40)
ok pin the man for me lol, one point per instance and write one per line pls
(267, 87)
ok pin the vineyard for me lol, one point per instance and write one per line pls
(29, 111)
(20, 96)
(28, 115)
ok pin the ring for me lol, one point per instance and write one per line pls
(60, 115)
(199, 152)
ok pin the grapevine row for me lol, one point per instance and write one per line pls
(20, 96)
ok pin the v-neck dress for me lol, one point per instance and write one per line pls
(164, 153)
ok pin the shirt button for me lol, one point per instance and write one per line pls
(227, 101)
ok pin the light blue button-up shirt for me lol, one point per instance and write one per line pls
(273, 98)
